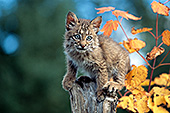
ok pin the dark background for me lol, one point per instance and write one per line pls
(32, 62)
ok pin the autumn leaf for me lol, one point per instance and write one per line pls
(166, 37)
(150, 103)
(109, 27)
(128, 47)
(160, 96)
(159, 99)
(124, 14)
(160, 91)
(160, 8)
(104, 9)
(126, 102)
(155, 52)
(163, 79)
(141, 105)
(167, 99)
(136, 31)
(159, 110)
(146, 83)
(133, 45)
(134, 102)
(136, 76)
(137, 44)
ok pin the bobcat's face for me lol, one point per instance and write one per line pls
(83, 37)
(81, 33)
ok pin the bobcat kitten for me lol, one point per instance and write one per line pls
(98, 55)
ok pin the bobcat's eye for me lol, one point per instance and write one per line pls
(89, 38)
(78, 37)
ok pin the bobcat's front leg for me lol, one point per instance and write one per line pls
(102, 79)
(70, 76)
(118, 78)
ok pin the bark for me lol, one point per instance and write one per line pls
(83, 98)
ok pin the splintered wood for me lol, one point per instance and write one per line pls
(83, 99)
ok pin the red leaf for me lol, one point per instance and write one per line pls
(124, 14)
(109, 27)
(104, 9)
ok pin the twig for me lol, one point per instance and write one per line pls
(164, 64)
(126, 93)
(160, 44)
(120, 93)
(155, 58)
(151, 74)
(159, 36)
(122, 29)
(152, 34)
(145, 60)
(162, 60)
(156, 29)
(166, 1)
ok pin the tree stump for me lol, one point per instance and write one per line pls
(83, 98)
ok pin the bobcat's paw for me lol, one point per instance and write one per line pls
(68, 83)
(112, 87)
(101, 95)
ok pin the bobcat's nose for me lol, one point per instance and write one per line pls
(82, 44)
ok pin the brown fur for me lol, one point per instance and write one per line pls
(98, 55)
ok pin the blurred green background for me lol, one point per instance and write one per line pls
(32, 62)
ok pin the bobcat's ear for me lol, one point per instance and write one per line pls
(71, 20)
(96, 23)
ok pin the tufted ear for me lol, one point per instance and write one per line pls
(96, 23)
(71, 20)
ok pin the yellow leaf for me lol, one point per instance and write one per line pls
(128, 47)
(141, 105)
(160, 8)
(137, 76)
(163, 79)
(166, 37)
(137, 44)
(126, 102)
(160, 91)
(133, 45)
(150, 103)
(137, 90)
(155, 108)
(167, 99)
(136, 31)
(158, 99)
(159, 110)
(146, 83)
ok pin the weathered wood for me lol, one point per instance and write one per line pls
(83, 98)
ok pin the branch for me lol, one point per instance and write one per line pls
(151, 74)
(162, 60)
(122, 28)
(152, 34)
(145, 60)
